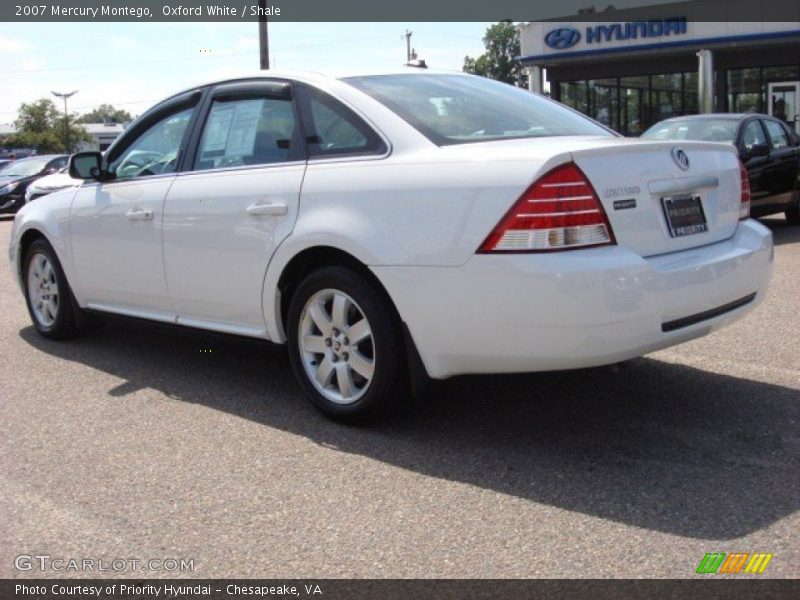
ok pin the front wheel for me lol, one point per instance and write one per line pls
(52, 307)
(345, 344)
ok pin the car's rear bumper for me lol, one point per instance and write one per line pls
(534, 312)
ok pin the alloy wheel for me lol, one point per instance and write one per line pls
(43, 290)
(336, 346)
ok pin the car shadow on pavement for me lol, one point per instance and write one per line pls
(782, 231)
(651, 444)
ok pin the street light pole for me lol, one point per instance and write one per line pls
(66, 117)
(263, 35)
(408, 45)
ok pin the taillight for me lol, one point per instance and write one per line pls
(744, 207)
(560, 211)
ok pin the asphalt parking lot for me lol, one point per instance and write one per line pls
(150, 442)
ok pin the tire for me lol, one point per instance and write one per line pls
(352, 369)
(51, 304)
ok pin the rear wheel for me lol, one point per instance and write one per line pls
(52, 307)
(345, 344)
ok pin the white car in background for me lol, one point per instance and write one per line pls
(49, 184)
(403, 224)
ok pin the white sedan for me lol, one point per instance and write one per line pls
(394, 227)
(49, 184)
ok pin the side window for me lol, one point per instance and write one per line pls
(57, 164)
(155, 151)
(753, 134)
(332, 129)
(777, 134)
(246, 131)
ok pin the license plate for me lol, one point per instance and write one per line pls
(685, 215)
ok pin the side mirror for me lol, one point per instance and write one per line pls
(755, 150)
(86, 165)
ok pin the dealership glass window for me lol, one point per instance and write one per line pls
(747, 88)
(665, 96)
(745, 92)
(604, 102)
(633, 104)
(575, 95)
(783, 97)
(781, 73)
(690, 102)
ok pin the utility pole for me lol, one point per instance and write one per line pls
(263, 34)
(408, 35)
(66, 117)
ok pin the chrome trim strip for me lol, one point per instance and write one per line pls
(687, 184)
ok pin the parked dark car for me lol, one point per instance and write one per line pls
(16, 177)
(768, 148)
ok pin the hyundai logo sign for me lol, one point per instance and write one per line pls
(562, 38)
(680, 158)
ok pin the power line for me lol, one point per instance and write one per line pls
(191, 59)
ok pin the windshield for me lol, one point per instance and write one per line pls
(457, 109)
(706, 130)
(25, 167)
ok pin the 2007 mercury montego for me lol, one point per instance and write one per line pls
(407, 222)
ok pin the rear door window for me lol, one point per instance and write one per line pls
(777, 134)
(332, 129)
(247, 131)
(753, 134)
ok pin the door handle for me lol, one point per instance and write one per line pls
(276, 209)
(140, 214)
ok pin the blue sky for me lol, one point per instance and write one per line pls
(133, 65)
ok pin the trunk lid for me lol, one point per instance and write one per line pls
(633, 179)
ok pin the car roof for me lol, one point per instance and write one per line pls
(329, 74)
(310, 76)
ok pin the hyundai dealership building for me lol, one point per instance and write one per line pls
(632, 68)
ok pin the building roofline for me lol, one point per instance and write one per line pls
(660, 45)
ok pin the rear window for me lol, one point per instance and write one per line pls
(458, 109)
(705, 130)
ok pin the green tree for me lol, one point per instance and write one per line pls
(500, 59)
(106, 112)
(41, 125)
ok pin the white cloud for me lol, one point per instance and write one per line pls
(11, 45)
(245, 44)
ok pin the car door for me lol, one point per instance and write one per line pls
(116, 223)
(237, 201)
(752, 135)
(783, 164)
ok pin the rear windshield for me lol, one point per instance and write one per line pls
(458, 109)
(706, 130)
